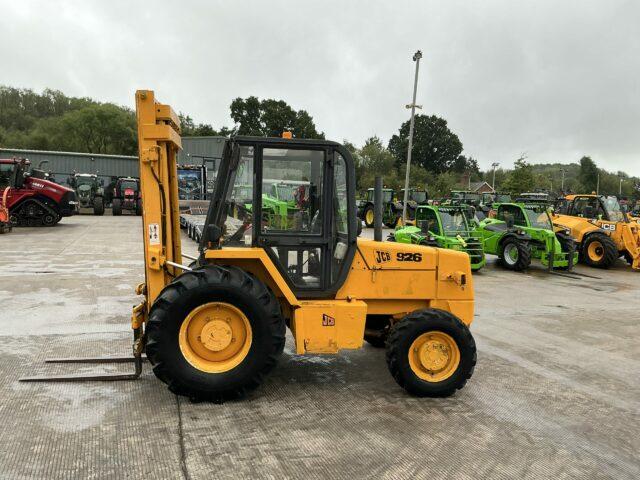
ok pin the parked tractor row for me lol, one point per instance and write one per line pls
(591, 229)
(29, 198)
(393, 204)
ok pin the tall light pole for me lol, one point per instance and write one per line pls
(416, 58)
(493, 183)
(620, 189)
(598, 184)
(562, 187)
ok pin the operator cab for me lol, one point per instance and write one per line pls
(310, 233)
(594, 206)
(387, 195)
(13, 172)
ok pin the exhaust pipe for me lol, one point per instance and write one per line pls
(377, 210)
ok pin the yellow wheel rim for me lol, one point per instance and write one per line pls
(215, 337)
(595, 251)
(434, 356)
(369, 217)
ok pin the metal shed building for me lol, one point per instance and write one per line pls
(196, 151)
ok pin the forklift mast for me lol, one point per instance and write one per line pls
(158, 144)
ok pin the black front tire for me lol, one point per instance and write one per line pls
(609, 251)
(412, 326)
(98, 206)
(139, 207)
(523, 251)
(210, 284)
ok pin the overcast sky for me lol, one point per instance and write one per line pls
(554, 79)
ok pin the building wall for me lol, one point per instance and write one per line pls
(196, 150)
(62, 164)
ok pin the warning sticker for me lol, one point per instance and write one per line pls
(154, 234)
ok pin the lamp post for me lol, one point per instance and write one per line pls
(416, 58)
(562, 187)
(493, 183)
(620, 189)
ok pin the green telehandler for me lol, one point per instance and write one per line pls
(444, 227)
(523, 231)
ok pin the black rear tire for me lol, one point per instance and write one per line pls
(412, 326)
(609, 253)
(139, 207)
(116, 207)
(190, 290)
(515, 254)
(376, 341)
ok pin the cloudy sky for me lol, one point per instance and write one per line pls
(552, 79)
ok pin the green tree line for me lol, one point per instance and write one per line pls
(53, 121)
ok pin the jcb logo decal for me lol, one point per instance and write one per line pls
(382, 257)
(328, 321)
(609, 226)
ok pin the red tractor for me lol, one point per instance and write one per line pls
(31, 200)
(126, 196)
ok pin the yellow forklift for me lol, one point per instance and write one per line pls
(213, 329)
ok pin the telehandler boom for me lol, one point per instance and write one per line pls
(213, 330)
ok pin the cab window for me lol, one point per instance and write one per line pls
(5, 174)
(428, 222)
(292, 190)
(508, 213)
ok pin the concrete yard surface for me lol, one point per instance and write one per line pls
(555, 394)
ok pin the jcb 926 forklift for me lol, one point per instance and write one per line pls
(212, 330)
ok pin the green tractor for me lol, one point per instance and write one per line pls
(391, 209)
(89, 191)
(416, 198)
(523, 231)
(444, 227)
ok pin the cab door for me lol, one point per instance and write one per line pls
(304, 213)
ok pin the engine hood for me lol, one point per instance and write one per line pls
(41, 184)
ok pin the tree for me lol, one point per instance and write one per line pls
(100, 128)
(269, 118)
(189, 128)
(521, 179)
(376, 160)
(588, 176)
(435, 147)
(442, 184)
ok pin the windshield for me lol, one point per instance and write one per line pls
(129, 184)
(453, 221)
(286, 192)
(84, 180)
(538, 217)
(419, 197)
(613, 209)
(465, 196)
